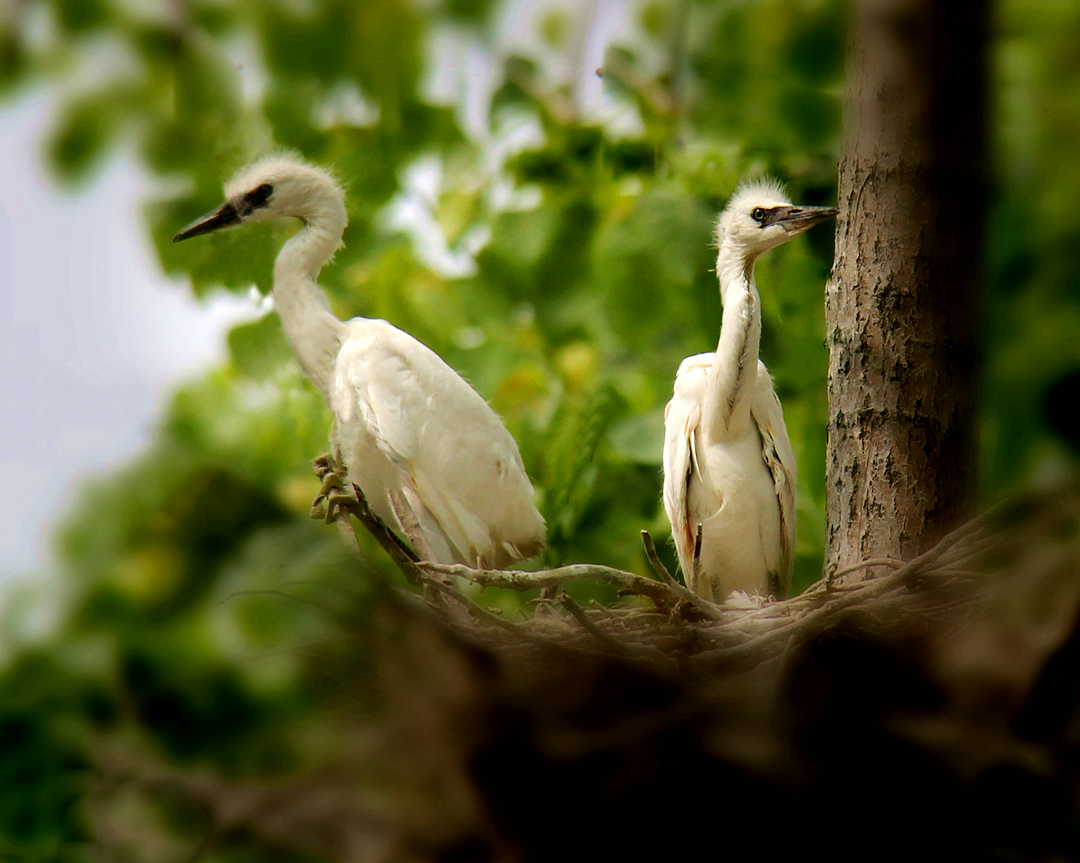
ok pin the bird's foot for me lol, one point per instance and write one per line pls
(337, 503)
(326, 463)
(334, 479)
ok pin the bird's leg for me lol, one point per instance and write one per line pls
(333, 476)
(695, 564)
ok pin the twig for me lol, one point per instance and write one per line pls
(480, 612)
(578, 613)
(654, 559)
(610, 643)
(699, 604)
(400, 553)
(348, 535)
(660, 594)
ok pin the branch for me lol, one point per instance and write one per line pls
(699, 604)
(400, 553)
(662, 595)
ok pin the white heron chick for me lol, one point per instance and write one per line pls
(409, 430)
(728, 466)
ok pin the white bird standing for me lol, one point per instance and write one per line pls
(410, 431)
(729, 471)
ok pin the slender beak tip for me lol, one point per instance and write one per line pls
(223, 217)
(820, 214)
(807, 217)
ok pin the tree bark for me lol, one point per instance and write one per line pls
(901, 307)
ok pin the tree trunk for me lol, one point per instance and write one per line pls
(901, 308)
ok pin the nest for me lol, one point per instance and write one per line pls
(676, 631)
(893, 711)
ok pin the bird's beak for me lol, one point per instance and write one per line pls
(222, 217)
(795, 220)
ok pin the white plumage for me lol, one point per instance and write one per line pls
(406, 424)
(728, 463)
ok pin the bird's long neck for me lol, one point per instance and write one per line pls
(313, 331)
(733, 376)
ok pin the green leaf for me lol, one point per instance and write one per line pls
(639, 438)
(78, 16)
(86, 128)
(258, 349)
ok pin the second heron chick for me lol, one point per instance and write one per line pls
(729, 470)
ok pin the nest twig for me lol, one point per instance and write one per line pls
(677, 625)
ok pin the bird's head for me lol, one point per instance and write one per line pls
(271, 188)
(759, 216)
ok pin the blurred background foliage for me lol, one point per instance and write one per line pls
(556, 249)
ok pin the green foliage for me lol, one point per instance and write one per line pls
(1033, 266)
(587, 279)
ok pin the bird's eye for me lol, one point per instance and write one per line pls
(261, 195)
(757, 214)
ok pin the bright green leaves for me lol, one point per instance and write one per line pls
(259, 349)
(470, 11)
(1032, 244)
(87, 128)
(43, 769)
(772, 74)
(376, 44)
(639, 439)
(79, 16)
(581, 156)
(520, 241)
(592, 280)
(571, 468)
(308, 39)
(179, 89)
(814, 45)
(652, 261)
(199, 125)
(206, 82)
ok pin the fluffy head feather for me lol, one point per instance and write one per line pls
(757, 192)
(275, 168)
(760, 190)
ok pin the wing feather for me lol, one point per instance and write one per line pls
(682, 418)
(456, 464)
(780, 459)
